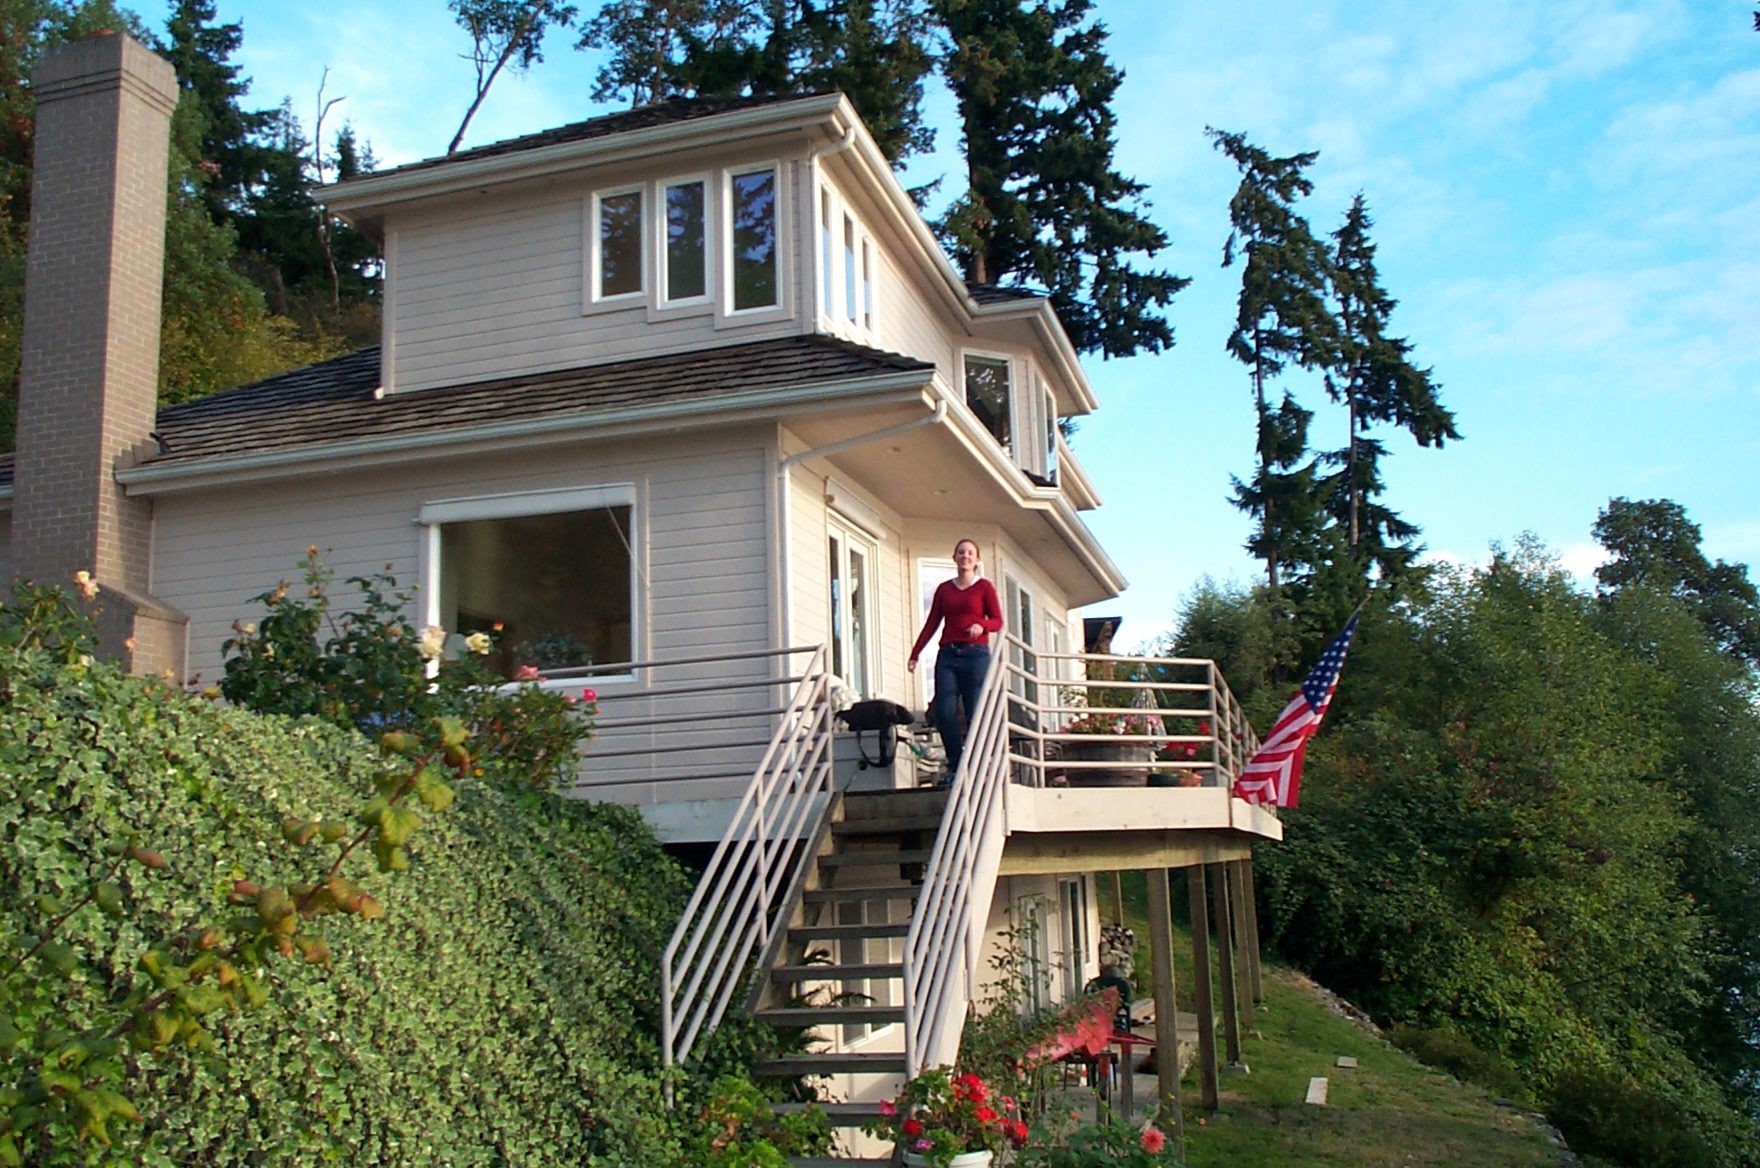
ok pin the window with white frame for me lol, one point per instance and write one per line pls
(987, 385)
(851, 306)
(617, 233)
(867, 285)
(686, 251)
(752, 240)
(1050, 400)
(825, 252)
(852, 607)
(1074, 939)
(551, 573)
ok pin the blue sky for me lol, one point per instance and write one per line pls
(1567, 199)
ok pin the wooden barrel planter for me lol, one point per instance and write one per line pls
(1131, 759)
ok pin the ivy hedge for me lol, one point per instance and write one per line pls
(500, 1014)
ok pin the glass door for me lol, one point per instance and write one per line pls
(852, 607)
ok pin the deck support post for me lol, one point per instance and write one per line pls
(1251, 897)
(1169, 1116)
(1243, 943)
(1206, 1006)
(1231, 1021)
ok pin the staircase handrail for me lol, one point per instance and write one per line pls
(940, 951)
(732, 913)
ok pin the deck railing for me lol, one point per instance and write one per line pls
(734, 913)
(946, 929)
(1175, 714)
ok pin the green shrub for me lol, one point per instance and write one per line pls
(499, 1014)
(1602, 1113)
(369, 668)
(1449, 1051)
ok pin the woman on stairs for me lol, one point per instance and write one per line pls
(968, 612)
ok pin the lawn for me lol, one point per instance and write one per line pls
(1389, 1110)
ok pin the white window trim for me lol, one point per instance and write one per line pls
(851, 537)
(710, 240)
(590, 251)
(726, 315)
(825, 212)
(516, 504)
(1014, 378)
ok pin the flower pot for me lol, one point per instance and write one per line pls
(963, 1160)
(1113, 750)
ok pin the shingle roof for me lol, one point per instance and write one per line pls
(678, 109)
(996, 294)
(334, 401)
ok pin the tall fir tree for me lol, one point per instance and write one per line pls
(1377, 381)
(875, 51)
(1281, 319)
(230, 151)
(1044, 207)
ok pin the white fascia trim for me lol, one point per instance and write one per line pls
(1058, 510)
(514, 504)
(371, 191)
(1050, 330)
(149, 479)
(1073, 478)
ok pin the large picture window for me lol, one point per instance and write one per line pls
(619, 233)
(987, 394)
(754, 240)
(558, 586)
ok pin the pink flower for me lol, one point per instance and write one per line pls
(924, 1145)
(527, 673)
(1008, 1103)
(589, 695)
(888, 1107)
(1153, 1140)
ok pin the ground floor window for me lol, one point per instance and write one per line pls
(558, 587)
(851, 598)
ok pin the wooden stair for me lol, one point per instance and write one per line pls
(835, 946)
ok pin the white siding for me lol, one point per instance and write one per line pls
(494, 289)
(701, 554)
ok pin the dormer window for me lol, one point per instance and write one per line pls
(687, 241)
(755, 283)
(987, 394)
(618, 229)
(849, 268)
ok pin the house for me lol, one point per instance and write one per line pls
(691, 403)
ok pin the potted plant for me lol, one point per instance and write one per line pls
(1106, 745)
(941, 1121)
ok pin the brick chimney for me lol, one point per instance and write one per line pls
(88, 383)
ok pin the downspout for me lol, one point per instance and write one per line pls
(934, 417)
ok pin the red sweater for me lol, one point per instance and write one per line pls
(961, 608)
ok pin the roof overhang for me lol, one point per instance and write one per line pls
(676, 415)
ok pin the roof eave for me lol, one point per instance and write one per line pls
(370, 192)
(151, 478)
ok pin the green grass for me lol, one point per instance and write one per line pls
(1389, 1111)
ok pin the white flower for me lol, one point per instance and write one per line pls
(478, 643)
(433, 642)
(88, 587)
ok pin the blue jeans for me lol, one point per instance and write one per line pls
(959, 676)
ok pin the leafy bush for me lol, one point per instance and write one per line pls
(1113, 1144)
(1446, 1050)
(369, 668)
(500, 1012)
(1612, 1115)
(737, 1129)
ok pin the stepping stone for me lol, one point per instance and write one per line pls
(1346, 1060)
(1317, 1091)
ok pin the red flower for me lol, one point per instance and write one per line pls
(971, 1087)
(913, 1128)
(1015, 1130)
(986, 1114)
(1153, 1139)
(589, 695)
(1203, 727)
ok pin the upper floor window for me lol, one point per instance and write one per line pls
(755, 283)
(1050, 400)
(825, 251)
(867, 285)
(687, 241)
(849, 269)
(619, 231)
(987, 394)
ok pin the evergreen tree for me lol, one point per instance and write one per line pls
(1654, 545)
(1281, 319)
(1377, 382)
(875, 51)
(1044, 208)
(230, 151)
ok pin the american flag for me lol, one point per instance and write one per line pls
(1274, 773)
